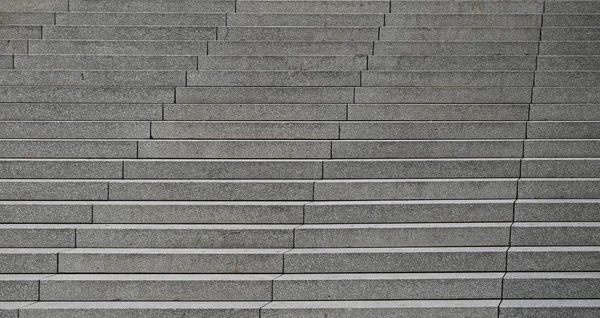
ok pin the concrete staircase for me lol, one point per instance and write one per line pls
(291, 158)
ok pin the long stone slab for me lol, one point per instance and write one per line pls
(34, 5)
(575, 210)
(446, 78)
(567, 78)
(550, 308)
(571, 62)
(297, 33)
(60, 169)
(273, 78)
(48, 148)
(570, 34)
(139, 18)
(430, 33)
(268, 95)
(553, 258)
(455, 48)
(573, 7)
(27, 18)
(449, 62)
(20, 287)
(552, 285)
(446, 112)
(79, 111)
(178, 52)
(451, 95)
(92, 78)
(76, 94)
(569, 48)
(283, 63)
(554, 188)
(20, 32)
(185, 236)
(571, 20)
(74, 129)
(402, 235)
(311, 112)
(560, 168)
(289, 48)
(29, 260)
(13, 46)
(37, 235)
(513, 20)
(131, 33)
(555, 234)
(441, 6)
(6, 61)
(45, 212)
(301, 6)
(563, 129)
(41, 189)
(559, 112)
(151, 6)
(305, 19)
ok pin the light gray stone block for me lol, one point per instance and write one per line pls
(569, 48)
(53, 190)
(441, 6)
(393, 260)
(289, 48)
(199, 212)
(45, 212)
(573, 62)
(447, 78)
(219, 190)
(432, 130)
(142, 309)
(26, 18)
(74, 129)
(34, 5)
(553, 259)
(273, 62)
(20, 32)
(421, 168)
(166, 261)
(563, 129)
(6, 61)
(552, 188)
(562, 148)
(20, 287)
(37, 235)
(244, 130)
(430, 33)
(273, 78)
(178, 52)
(552, 308)
(476, 112)
(557, 210)
(567, 78)
(157, 287)
(28, 260)
(221, 169)
(60, 169)
(135, 33)
(92, 78)
(68, 148)
(449, 62)
(151, 6)
(415, 189)
(301, 19)
(428, 149)
(312, 112)
(11, 309)
(484, 20)
(387, 286)
(555, 233)
(139, 18)
(105, 62)
(301, 6)
(576, 6)
(186, 236)
(267, 95)
(565, 112)
(570, 34)
(560, 168)
(79, 112)
(13, 46)
(454, 48)
(297, 33)
(235, 149)
(382, 308)
(571, 20)
(553, 285)
(76, 94)
(447, 95)
(444, 211)
(402, 235)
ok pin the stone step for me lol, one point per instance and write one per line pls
(6, 61)
(387, 286)
(449, 78)
(29, 77)
(76, 94)
(139, 18)
(562, 148)
(409, 33)
(50, 190)
(571, 20)
(37, 235)
(81, 111)
(157, 287)
(467, 6)
(551, 308)
(164, 261)
(180, 53)
(450, 62)
(20, 287)
(444, 48)
(151, 6)
(297, 33)
(45, 212)
(29, 260)
(410, 149)
(60, 169)
(563, 129)
(402, 235)
(569, 210)
(575, 6)
(20, 32)
(555, 234)
(75, 129)
(74, 148)
(254, 112)
(305, 19)
(552, 285)
(130, 33)
(563, 188)
(468, 95)
(283, 63)
(567, 78)
(571, 34)
(568, 62)
(466, 19)
(569, 47)
(567, 112)
(382, 260)
(111, 62)
(27, 18)
(553, 258)
(262, 48)
(267, 95)
(13, 46)
(273, 78)
(413, 211)
(445, 112)
(34, 5)
(301, 6)
(560, 168)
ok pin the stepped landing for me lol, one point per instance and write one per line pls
(266, 158)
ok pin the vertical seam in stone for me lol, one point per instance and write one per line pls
(92, 208)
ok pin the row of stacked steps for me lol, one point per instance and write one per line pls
(222, 158)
